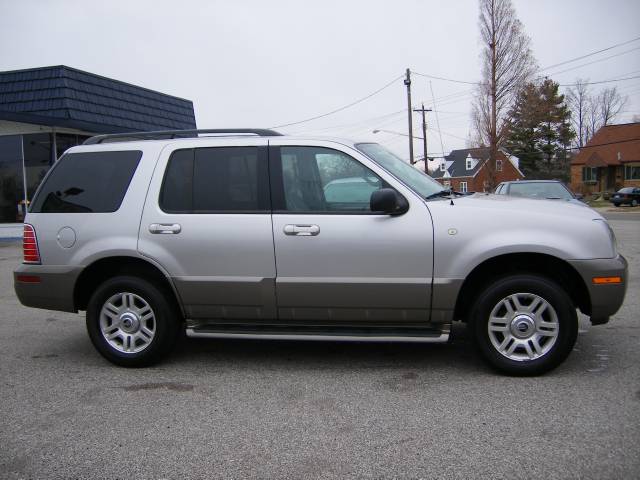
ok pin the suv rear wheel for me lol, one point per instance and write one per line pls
(131, 321)
(524, 324)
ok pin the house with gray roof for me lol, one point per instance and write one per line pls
(469, 170)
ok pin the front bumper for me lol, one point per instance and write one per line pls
(605, 299)
(46, 286)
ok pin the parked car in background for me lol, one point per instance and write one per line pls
(543, 189)
(626, 196)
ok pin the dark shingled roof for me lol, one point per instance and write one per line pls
(459, 166)
(66, 97)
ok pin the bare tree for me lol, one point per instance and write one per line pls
(579, 103)
(507, 64)
(609, 104)
(590, 112)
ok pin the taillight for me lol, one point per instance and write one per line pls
(30, 251)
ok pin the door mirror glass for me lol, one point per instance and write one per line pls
(387, 200)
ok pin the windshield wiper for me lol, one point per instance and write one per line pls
(442, 193)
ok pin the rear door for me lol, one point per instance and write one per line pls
(207, 220)
(336, 260)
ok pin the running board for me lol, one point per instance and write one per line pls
(335, 334)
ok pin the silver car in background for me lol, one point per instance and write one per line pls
(540, 189)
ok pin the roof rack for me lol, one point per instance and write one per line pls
(169, 134)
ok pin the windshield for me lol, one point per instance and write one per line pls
(420, 182)
(540, 190)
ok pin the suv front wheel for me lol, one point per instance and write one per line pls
(131, 322)
(524, 324)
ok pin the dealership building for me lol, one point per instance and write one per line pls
(45, 111)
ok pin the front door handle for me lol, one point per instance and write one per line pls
(164, 228)
(302, 230)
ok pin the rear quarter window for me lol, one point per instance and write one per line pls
(87, 182)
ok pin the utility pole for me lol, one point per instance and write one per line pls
(424, 134)
(407, 82)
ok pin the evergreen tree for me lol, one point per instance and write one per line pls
(540, 131)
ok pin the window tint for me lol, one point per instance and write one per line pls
(87, 182)
(208, 180)
(317, 179)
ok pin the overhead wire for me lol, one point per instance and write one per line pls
(463, 95)
(595, 61)
(590, 54)
(360, 122)
(341, 108)
(433, 98)
(599, 82)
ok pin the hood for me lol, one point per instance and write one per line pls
(496, 224)
(554, 207)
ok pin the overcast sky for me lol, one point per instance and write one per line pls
(263, 64)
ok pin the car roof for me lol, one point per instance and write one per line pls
(142, 144)
(532, 181)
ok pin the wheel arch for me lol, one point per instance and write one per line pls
(108, 267)
(545, 265)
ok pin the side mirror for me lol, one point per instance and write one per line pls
(579, 196)
(389, 201)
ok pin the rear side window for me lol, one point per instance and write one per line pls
(91, 182)
(216, 180)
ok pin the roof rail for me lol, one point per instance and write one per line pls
(168, 134)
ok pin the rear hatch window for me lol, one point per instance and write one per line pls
(87, 182)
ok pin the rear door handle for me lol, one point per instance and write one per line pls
(302, 230)
(165, 228)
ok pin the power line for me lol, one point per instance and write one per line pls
(435, 77)
(445, 79)
(341, 108)
(603, 144)
(597, 83)
(590, 54)
(433, 98)
(353, 124)
(595, 61)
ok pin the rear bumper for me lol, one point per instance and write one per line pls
(46, 286)
(605, 299)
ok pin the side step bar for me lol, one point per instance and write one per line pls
(335, 334)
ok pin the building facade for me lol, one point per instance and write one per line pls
(609, 161)
(468, 170)
(45, 111)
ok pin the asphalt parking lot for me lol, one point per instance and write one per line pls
(250, 409)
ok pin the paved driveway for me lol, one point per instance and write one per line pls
(236, 409)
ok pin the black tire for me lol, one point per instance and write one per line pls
(616, 204)
(164, 322)
(562, 314)
(634, 203)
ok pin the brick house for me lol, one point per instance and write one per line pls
(609, 161)
(467, 170)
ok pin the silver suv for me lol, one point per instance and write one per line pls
(249, 233)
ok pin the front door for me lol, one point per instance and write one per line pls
(207, 221)
(611, 178)
(336, 260)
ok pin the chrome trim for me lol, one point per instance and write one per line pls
(442, 338)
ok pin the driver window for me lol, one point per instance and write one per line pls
(317, 179)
